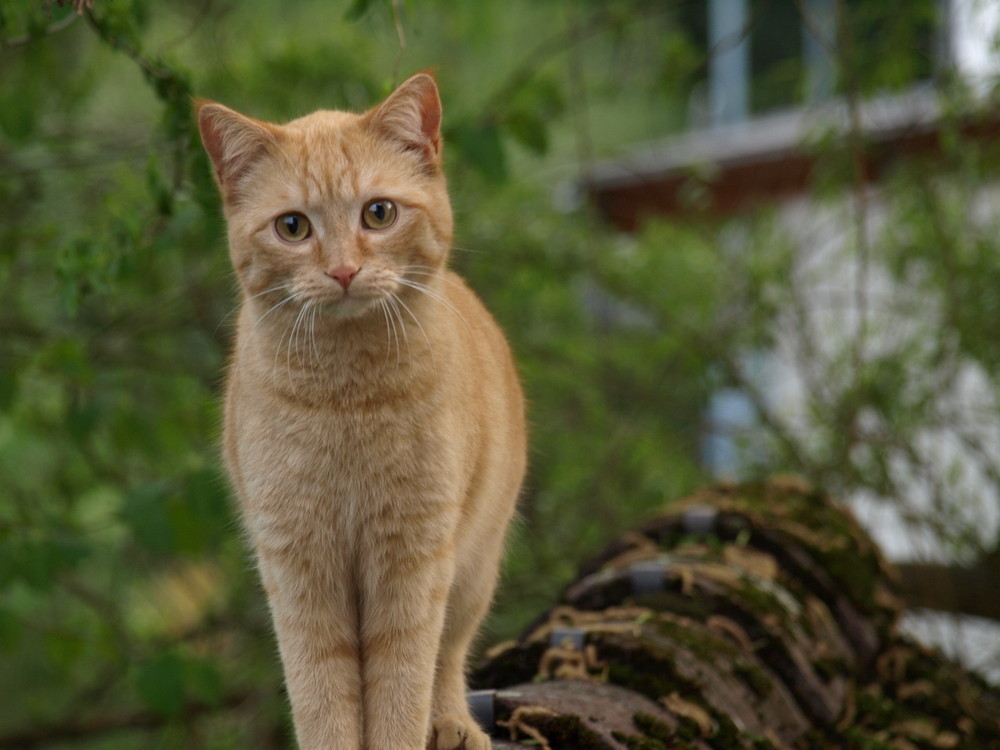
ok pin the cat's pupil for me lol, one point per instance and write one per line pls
(292, 227)
(379, 214)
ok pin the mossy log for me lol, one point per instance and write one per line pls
(746, 616)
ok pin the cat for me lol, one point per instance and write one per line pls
(374, 425)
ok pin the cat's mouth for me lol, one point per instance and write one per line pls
(352, 302)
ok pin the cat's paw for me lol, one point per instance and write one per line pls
(453, 732)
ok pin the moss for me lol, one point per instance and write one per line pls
(856, 738)
(855, 569)
(645, 669)
(705, 646)
(759, 743)
(518, 664)
(855, 573)
(653, 727)
(636, 742)
(754, 678)
(726, 734)
(873, 707)
(648, 679)
(688, 729)
(672, 601)
(568, 732)
(831, 667)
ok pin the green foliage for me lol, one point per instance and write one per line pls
(125, 582)
(125, 587)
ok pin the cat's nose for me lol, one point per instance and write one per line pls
(343, 275)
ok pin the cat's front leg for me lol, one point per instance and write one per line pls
(403, 609)
(315, 621)
(477, 563)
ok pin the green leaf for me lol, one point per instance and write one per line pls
(483, 148)
(358, 10)
(204, 680)
(10, 629)
(529, 130)
(159, 188)
(66, 549)
(199, 514)
(8, 387)
(81, 418)
(530, 115)
(144, 510)
(64, 648)
(17, 118)
(160, 684)
(37, 559)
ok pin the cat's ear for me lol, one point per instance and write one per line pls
(412, 116)
(233, 142)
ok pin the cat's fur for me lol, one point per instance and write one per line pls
(374, 426)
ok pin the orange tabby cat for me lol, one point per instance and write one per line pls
(374, 425)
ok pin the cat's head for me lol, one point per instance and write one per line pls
(334, 209)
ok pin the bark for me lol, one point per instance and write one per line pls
(754, 616)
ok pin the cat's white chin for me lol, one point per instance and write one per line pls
(346, 308)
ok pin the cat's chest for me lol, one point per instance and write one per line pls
(347, 446)
(335, 468)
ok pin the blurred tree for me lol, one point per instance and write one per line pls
(128, 613)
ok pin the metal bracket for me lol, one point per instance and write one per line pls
(481, 706)
(700, 519)
(567, 638)
(646, 577)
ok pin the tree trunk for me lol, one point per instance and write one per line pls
(753, 616)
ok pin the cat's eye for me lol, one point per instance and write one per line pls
(292, 227)
(378, 214)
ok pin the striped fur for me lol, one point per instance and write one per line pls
(374, 433)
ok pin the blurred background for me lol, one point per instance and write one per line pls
(727, 238)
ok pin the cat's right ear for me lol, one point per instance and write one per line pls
(233, 142)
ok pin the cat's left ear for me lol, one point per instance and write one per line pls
(412, 116)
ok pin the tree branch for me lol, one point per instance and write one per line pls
(54, 28)
(79, 729)
(951, 588)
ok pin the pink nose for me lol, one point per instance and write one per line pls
(343, 275)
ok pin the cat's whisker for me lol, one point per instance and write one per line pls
(435, 295)
(415, 320)
(275, 288)
(312, 361)
(293, 340)
(314, 311)
(277, 351)
(281, 340)
(281, 303)
(431, 273)
(388, 341)
(236, 307)
(391, 299)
